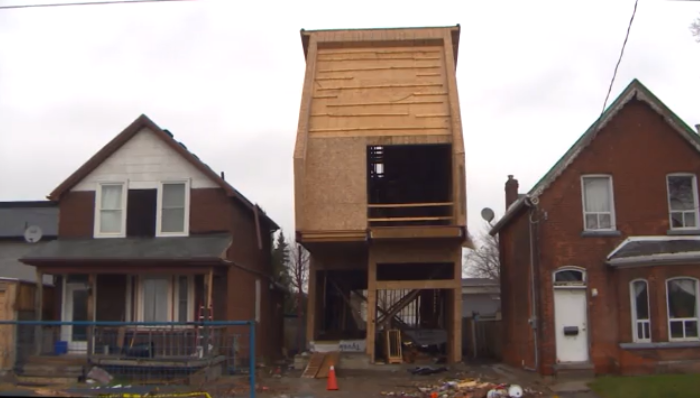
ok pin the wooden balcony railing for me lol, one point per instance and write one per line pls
(409, 214)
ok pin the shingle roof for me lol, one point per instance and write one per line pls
(192, 248)
(645, 249)
(16, 216)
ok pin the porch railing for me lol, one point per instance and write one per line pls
(137, 354)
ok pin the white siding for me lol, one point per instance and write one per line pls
(144, 161)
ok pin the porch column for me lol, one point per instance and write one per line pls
(39, 310)
(208, 314)
(91, 313)
(311, 300)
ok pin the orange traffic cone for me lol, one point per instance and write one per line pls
(332, 382)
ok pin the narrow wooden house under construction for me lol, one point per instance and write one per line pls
(380, 188)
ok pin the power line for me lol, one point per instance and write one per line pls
(619, 59)
(83, 3)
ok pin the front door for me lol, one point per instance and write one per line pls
(75, 308)
(570, 322)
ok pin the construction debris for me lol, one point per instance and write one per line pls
(472, 388)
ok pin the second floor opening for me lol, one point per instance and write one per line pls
(409, 185)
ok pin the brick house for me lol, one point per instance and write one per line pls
(600, 259)
(149, 233)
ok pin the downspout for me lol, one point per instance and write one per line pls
(533, 320)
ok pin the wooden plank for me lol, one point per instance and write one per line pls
(331, 358)
(408, 205)
(426, 284)
(315, 363)
(408, 219)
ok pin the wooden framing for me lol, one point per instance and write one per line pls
(407, 77)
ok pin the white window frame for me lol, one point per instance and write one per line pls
(695, 202)
(613, 222)
(633, 313)
(159, 211)
(173, 297)
(697, 312)
(576, 285)
(98, 209)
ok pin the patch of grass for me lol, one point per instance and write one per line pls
(659, 386)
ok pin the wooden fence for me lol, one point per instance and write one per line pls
(482, 338)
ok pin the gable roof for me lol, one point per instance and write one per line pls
(127, 134)
(634, 91)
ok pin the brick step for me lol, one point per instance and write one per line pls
(48, 370)
(45, 381)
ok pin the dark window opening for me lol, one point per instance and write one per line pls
(409, 184)
(141, 212)
(415, 271)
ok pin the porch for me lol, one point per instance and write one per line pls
(138, 304)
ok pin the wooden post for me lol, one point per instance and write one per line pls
(371, 307)
(39, 310)
(91, 312)
(311, 303)
(300, 298)
(208, 291)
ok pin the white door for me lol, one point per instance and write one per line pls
(570, 322)
(75, 308)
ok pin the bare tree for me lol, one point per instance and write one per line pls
(299, 276)
(695, 29)
(483, 261)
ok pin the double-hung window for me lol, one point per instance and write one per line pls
(598, 203)
(641, 322)
(166, 298)
(682, 302)
(682, 201)
(173, 209)
(110, 210)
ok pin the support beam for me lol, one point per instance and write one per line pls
(39, 310)
(398, 306)
(427, 284)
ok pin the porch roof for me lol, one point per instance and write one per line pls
(655, 250)
(194, 248)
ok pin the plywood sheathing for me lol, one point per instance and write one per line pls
(370, 87)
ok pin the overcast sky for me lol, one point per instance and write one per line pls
(226, 79)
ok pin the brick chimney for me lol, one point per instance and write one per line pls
(511, 191)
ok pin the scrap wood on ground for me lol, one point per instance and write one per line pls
(473, 388)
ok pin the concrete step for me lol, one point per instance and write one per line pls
(45, 381)
(574, 371)
(48, 370)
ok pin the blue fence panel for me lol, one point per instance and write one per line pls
(136, 355)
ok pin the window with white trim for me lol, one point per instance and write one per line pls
(166, 298)
(571, 277)
(598, 203)
(110, 210)
(641, 322)
(682, 201)
(682, 302)
(173, 209)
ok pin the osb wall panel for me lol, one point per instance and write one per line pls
(336, 184)
(380, 91)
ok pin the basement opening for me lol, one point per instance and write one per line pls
(409, 184)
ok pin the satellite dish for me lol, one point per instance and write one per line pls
(32, 234)
(487, 214)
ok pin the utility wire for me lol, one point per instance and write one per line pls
(619, 60)
(84, 3)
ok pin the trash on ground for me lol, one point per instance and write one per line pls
(472, 388)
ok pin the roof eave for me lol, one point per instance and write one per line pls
(519, 205)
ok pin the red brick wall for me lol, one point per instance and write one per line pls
(638, 148)
(515, 293)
